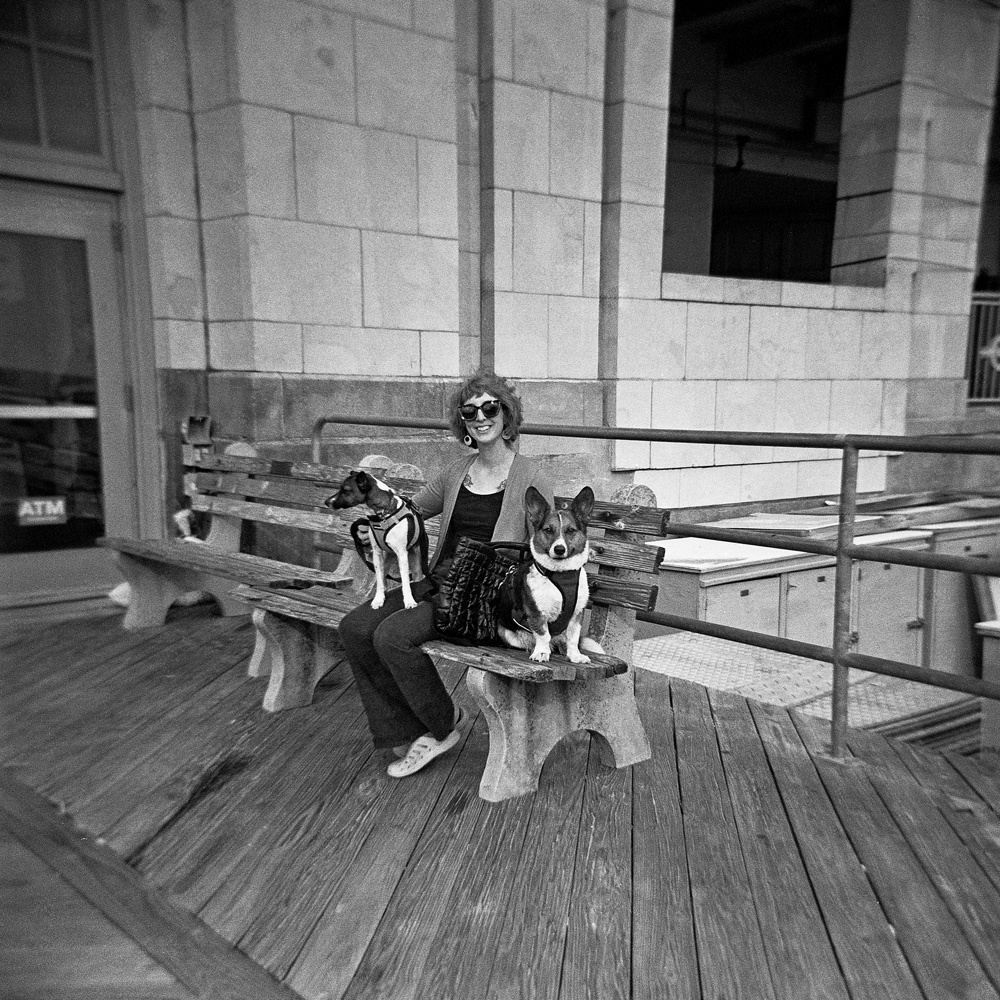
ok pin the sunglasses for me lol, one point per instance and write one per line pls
(489, 409)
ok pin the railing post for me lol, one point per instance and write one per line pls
(842, 597)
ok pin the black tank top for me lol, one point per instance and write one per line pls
(475, 516)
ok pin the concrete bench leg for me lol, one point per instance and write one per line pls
(297, 654)
(527, 720)
(261, 659)
(151, 592)
(155, 586)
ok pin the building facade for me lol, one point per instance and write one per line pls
(346, 205)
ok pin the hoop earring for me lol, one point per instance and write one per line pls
(467, 441)
(507, 434)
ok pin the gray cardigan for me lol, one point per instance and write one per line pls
(440, 494)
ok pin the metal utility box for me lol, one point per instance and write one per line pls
(786, 593)
(949, 640)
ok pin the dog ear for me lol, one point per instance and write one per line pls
(363, 481)
(536, 505)
(583, 505)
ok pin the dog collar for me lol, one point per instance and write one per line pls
(391, 517)
(556, 574)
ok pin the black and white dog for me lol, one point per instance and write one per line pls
(541, 603)
(395, 529)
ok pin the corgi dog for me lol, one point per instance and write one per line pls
(541, 602)
(395, 529)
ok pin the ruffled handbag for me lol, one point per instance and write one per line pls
(465, 605)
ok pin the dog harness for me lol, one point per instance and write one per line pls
(379, 524)
(567, 582)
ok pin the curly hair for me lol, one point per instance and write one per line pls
(494, 385)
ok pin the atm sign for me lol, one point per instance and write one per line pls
(32, 511)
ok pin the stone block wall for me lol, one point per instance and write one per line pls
(350, 205)
(741, 355)
(301, 163)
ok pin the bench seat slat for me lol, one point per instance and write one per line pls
(305, 606)
(515, 663)
(329, 610)
(231, 565)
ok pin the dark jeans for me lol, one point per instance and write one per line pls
(399, 685)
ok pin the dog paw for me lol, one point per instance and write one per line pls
(409, 602)
(377, 602)
(577, 658)
(540, 656)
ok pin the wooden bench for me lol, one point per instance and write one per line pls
(528, 706)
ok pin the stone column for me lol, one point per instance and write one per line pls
(541, 94)
(633, 317)
(918, 98)
(919, 93)
(327, 163)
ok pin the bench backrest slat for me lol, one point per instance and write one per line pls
(620, 517)
(270, 489)
(605, 550)
(271, 514)
(623, 571)
(604, 589)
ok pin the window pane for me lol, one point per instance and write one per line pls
(70, 102)
(45, 321)
(14, 17)
(50, 475)
(63, 21)
(18, 116)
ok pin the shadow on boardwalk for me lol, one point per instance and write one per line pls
(257, 855)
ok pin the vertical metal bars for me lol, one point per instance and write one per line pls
(842, 597)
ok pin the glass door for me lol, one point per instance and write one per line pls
(66, 458)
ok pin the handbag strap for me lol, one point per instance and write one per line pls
(522, 547)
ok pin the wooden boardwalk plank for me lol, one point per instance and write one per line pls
(68, 662)
(598, 962)
(53, 943)
(227, 743)
(278, 869)
(76, 701)
(872, 963)
(705, 868)
(983, 778)
(401, 946)
(800, 955)
(973, 901)
(339, 943)
(731, 954)
(184, 946)
(528, 956)
(472, 916)
(98, 739)
(152, 754)
(932, 940)
(300, 883)
(244, 790)
(971, 817)
(39, 652)
(664, 961)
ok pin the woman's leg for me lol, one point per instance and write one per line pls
(392, 717)
(397, 642)
(389, 717)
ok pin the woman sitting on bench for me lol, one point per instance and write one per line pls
(480, 496)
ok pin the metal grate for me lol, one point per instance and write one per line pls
(984, 348)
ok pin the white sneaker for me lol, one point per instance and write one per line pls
(423, 750)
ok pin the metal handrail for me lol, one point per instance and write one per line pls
(845, 550)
